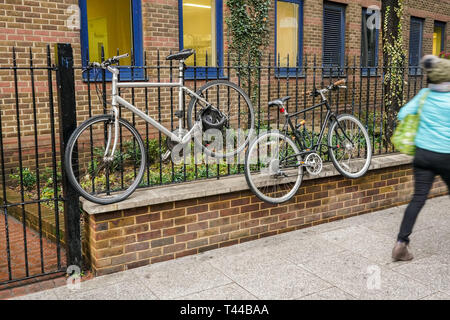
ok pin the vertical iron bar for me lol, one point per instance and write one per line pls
(19, 140)
(268, 91)
(374, 109)
(67, 125)
(147, 112)
(171, 111)
(5, 200)
(54, 165)
(158, 69)
(36, 154)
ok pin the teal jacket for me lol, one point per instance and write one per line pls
(434, 127)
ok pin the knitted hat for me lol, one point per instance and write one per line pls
(438, 70)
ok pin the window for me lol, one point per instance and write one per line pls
(415, 45)
(333, 38)
(289, 25)
(115, 25)
(201, 29)
(369, 45)
(438, 38)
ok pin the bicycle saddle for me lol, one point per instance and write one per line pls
(279, 101)
(182, 55)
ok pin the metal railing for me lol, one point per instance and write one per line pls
(31, 237)
(263, 82)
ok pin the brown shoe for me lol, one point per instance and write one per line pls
(401, 252)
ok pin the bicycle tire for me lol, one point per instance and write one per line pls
(192, 109)
(248, 171)
(69, 155)
(332, 156)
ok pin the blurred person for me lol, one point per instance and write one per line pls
(432, 142)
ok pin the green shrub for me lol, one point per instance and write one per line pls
(28, 178)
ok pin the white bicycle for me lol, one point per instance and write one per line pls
(105, 158)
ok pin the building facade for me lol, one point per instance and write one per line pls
(331, 30)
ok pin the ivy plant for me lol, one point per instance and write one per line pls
(394, 60)
(248, 35)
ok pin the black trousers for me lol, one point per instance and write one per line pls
(427, 164)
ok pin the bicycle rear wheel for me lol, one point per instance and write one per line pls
(349, 148)
(232, 101)
(101, 180)
(273, 167)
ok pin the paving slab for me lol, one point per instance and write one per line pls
(437, 296)
(180, 278)
(365, 279)
(125, 290)
(329, 294)
(267, 276)
(226, 292)
(346, 259)
(433, 271)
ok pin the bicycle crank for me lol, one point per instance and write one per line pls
(174, 146)
(313, 164)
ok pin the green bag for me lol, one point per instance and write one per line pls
(405, 133)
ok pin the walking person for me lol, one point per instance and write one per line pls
(432, 142)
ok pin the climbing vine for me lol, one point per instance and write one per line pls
(248, 36)
(394, 60)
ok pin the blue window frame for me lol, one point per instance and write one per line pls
(333, 53)
(369, 45)
(292, 19)
(136, 42)
(205, 71)
(415, 45)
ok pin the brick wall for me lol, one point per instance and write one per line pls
(122, 240)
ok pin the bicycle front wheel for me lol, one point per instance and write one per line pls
(273, 167)
(100, 179)
(236, 133)
(349, 146)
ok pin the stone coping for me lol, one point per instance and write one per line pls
(212, 187)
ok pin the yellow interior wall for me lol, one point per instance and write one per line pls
(109, 24)
(287, 33)
(437, 40)
(199, 30)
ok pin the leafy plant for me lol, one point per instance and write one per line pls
(26, 176)
(394, 59)
(248, 32)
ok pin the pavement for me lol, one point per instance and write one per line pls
(347, 259)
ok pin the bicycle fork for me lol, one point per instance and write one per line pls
(110, 156)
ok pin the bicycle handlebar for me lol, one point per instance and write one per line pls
(340, 84)
(105, 64)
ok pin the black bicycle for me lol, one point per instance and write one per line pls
(274, 162)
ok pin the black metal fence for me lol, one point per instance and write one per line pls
(41, 103)
(264, 82)
(31, 234)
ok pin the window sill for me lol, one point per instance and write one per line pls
(284, 74)
(204, 73)
(125, 75)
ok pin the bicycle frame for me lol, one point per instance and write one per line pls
(118, 100)
(298, 139)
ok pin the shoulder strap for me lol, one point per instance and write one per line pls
(422, 101)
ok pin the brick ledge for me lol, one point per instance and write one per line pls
(211, 187)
